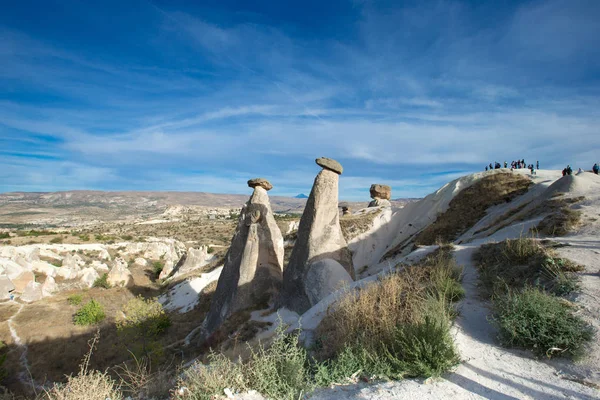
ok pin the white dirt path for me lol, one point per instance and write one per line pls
(23, 374)
(487, 371)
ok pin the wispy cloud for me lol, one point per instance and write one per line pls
(206, 100)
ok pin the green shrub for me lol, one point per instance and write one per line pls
(514, 264)
(89, 314)
(3, 354)
(157, 267)
(145, 320)
(102, 281)
(281, 371)
(210, 250)
(56, 240)
(127, 237)
(541, 322)
(75, 299)
(84, 238)
(4, 235)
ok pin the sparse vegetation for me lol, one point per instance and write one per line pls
(3, 354)
(56, 240)
(355, 225)
(4, 235)
(470, 205)
(514, 264)
(561, 221)
(102, 282)
(157, 267)
(144, 321)
(281, 371)
(75, 299)
(89, 314)
(539, 321)
(87, 384)
(385, 316)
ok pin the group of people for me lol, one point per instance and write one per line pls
(519, 164)
(568, 170)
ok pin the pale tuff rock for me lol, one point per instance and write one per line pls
(319, 238)
(6, 287)
(100, 266)
(73, 261)
(42, 267)
(345, 208)
(120, 275)
(10, 268)
(253, 266)
(381, 195)
(194, 259)
(292, 226)
(262, 182)
(141, 261)
(23, 280)
(49, 287)
(380, 203)
(88, 276)
(32, 292)
(325, 277)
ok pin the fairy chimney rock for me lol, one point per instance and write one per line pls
(319, 238)
(253, 268)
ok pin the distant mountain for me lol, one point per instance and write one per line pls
(301, 196)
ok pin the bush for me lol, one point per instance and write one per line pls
(84, 238)
(86, 385)
(127, 237)
(4, 235)
(3, 354)
(281, 371)
(157, 267)
(75, 299)
(89, 314)
(370, 316)
(210, 250)
(102, 281)
(145, 320)
(56, 240)
(514, 264)
(541, 322)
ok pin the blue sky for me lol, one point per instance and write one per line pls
(203, 95)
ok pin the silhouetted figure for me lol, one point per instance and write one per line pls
(564, 171)
(505, 164)
(486, 168)
(537, 165)
(596, 168)
(569, 170)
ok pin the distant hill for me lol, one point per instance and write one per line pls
(301, 196)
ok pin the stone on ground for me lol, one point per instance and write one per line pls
(32, 292)
(6, 287)
(120, 275)
(23, 280)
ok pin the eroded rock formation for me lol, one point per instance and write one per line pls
(308, 277)
(381, 195)
(253, 266)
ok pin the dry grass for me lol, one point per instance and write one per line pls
(514, 264)
(470, 205)
(371, 316)
(355, 225)
(87, 384)
(562, 218)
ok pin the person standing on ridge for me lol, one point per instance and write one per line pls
(596, 168)
(537, 165)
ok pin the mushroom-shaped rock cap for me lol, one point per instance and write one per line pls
(381, 191)
(262, 182)
(330, 164)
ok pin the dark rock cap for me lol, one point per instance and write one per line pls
(330, 164)
(262, 182)
(380, 191)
